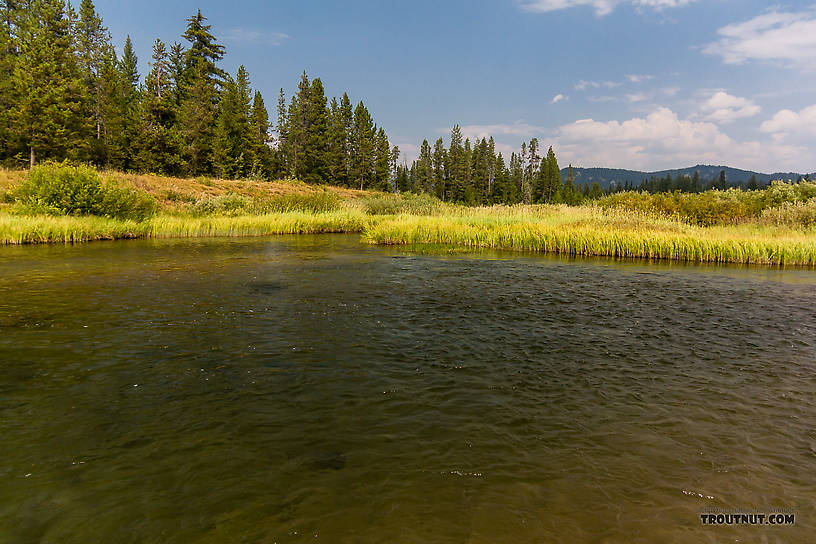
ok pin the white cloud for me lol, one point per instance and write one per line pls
(785, 37)
(601, 7)
(639, 78)
(636, 97)
(558, 98)
(583, 85)
(257, 37)
(791, 123)
(663, 140)
(722, 107)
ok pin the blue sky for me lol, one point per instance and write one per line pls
(642, 84)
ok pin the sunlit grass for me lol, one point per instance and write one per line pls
(21, 229)
(592, 232)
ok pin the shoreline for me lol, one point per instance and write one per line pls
(582, 232)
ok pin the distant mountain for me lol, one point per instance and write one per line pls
(605, 177)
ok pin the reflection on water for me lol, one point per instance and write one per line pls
(301, 389)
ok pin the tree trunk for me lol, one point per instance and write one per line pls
(31, 158)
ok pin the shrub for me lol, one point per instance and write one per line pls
(321, 202)
(704, 209)
(122, 203)
(59, 189)
(408, 203)
(230, 205)
(791, 214)
(234, 204)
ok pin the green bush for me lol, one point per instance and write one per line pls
(121, 203)
(408, 204)
(59, 189)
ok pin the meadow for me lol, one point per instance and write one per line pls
(775, 226)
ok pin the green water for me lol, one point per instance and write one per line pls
(313, 389)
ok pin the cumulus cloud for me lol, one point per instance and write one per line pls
(601, 7)
(789, 123)
(722, 107)
(257, 37)
(558, 98)
(663, 140)
(786, 37)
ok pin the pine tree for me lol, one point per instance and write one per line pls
(282, 128)
(177, 67)
(362, 147)
(553, 188)
(197, 119)
(234, 142)
(160, 143)
(204, 52)
(382, 161)
(262, 165)
(199, 93)
(10, 12)
(347, 120)
(94, 51)
(122, 128)
(315, 156)
(336, 145)
(440, 159)
(492, 167)
(45, 117)
(424, 169)
(531, 171)
(456, 166)
(570, 195)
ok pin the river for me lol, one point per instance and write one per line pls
(315, 389)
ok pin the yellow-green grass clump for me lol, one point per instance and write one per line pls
(23, 229)
(593, 232)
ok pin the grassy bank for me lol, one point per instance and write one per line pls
(22, 229)
(776, 226)
(591, 231)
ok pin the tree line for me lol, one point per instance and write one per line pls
(475, 174)
(66, 93)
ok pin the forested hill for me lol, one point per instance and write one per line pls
(606, 177)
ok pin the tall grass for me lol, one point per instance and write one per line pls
(19, 229)
(233, 204)
(408, 203)
(587, 231)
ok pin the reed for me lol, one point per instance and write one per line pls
(594, 232)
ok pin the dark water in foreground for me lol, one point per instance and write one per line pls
(311, 389)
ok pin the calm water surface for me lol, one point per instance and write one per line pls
(313, 389)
